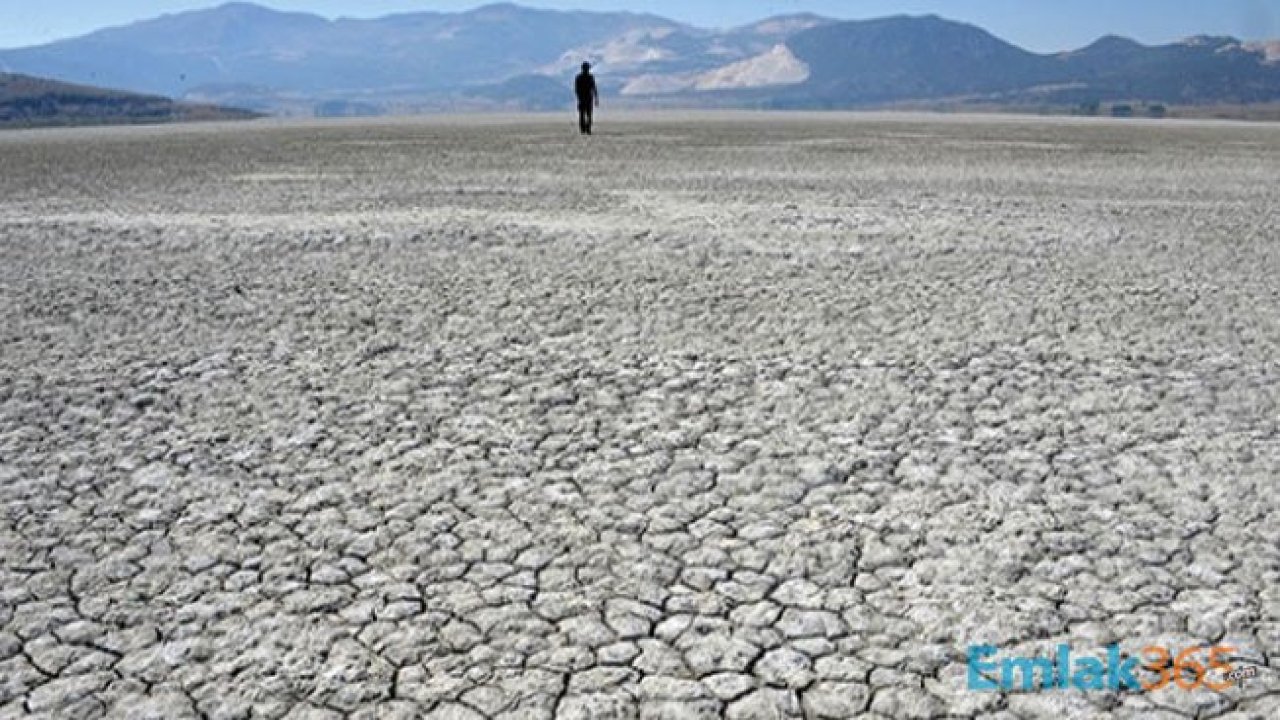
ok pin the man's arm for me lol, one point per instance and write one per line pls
(595, 93)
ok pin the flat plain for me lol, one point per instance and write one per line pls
(743, 416)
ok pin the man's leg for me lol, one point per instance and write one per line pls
(584, 120)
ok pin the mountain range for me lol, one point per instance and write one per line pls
(509, 56)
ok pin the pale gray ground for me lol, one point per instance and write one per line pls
(718, 416)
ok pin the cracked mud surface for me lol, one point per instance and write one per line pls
(712, 417)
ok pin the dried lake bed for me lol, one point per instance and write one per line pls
(708, 415)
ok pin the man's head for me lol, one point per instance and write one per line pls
(586, 67)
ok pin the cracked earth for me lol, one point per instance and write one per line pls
(714, 416)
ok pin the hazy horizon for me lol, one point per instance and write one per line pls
(1047, 27)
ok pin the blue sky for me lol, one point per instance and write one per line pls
(1042, 25)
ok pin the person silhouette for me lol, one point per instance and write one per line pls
(588, 98)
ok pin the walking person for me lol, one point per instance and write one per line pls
(588, 98)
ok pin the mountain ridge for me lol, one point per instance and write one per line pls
(242, 53)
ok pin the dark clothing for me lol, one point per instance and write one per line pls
(588, 98)
(585, 87)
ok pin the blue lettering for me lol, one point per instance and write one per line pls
(1028, 668)
(1127, 677)
(978, 665)
(1120, 675)
(1090, 674)
(1064, 666)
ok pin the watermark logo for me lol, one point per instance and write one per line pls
(1154, 668)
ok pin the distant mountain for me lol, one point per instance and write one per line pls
(507, 56)
(928, 58)
(34, 102)
(1197, 70)
(300, 53)
(903, 58)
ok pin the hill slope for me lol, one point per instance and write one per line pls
(34, 102)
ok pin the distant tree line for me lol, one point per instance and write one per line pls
(71, 108)
(1094, 108)
(58, 106)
